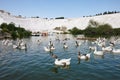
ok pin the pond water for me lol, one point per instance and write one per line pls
(37, 64)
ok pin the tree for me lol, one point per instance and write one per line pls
(75, 31)
(14, 35)
(105, 29)
(16, 32)
(93, 23)
(105, 13)
(59, 18)
(11, 27)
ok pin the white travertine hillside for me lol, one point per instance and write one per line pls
(38, 24)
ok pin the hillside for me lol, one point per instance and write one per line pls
(38, 24)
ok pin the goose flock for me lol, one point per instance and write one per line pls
(99, 47)
(19, 44)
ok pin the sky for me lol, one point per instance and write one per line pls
(58, 8)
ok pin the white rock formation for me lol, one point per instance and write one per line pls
(38, 24)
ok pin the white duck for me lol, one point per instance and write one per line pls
(83, 56)
(62, 62)
(99, 53)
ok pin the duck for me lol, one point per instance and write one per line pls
(83, 56)
(62, 62)
(99, 53)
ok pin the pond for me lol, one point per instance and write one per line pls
(37, 64)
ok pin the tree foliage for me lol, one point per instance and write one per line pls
(75, 31)
(59, 18)
(104, 13)
(94, 29)
(16, 32)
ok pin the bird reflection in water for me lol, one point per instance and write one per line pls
(56, 68)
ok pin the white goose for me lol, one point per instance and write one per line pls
(15, 46)
(83, 56)
(38, 41)
(109, 48)
(54, 56)
(62, 62)
(52, 48)
(91, 47)
(99, 53)
(77, 43)
(65, 46)
(116, 50)
(46, 49)
(22, 47)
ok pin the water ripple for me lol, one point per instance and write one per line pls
(36, 64)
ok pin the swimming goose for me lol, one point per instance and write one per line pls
(116, 50)
(52, 48)
(109, 48)
(62, 62)
(39, 41)
(77, 43)
(54, 56)
(47, 49)
(65, 46)
(22, 47)
(83, 56)
(99, 53)
(15, 46)
(91, 47)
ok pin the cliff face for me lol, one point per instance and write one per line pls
(38, 24)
